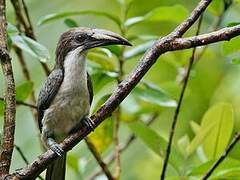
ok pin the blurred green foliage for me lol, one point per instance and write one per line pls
(210, 112)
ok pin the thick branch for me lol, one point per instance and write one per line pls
(125, 87)
(10, 105)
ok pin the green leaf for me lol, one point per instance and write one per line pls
(114, 49)
(176, 14)
(231, 46)
(216, 7)
(138, 50)
(72, 161)
(235, 61)
(100, 77)
(24, 90)
(231, 24)
(104, 61)
(56, 16)
(1, 108)
(155, 142)
(150, 93)
(70, 23)
(12, 30)
(216, 130)
(227, 166)
(102, 136)
(31, 47)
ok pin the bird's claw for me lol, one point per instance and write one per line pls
(88, 123)
(57, 149)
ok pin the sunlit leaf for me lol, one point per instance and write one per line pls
(227, 166)
(218, 138)
(150, 93)
(70, 23)
(138, 50)
(101, 59)
(56, 16)
(72, 161)
(195, 126)
(102, 136)
(231, 46)
(215, 132)
(103, 51)
(154, 141)
(24, 90)
(176, 13)
(216, 7)
(30, 46)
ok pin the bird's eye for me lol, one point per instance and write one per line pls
(80, 37)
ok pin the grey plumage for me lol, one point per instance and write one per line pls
(65, 98)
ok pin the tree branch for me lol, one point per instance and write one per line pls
(10, 104)
(222, 157)
(27, 25)
(175, 117)
(163, 45)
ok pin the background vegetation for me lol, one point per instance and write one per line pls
(209, 116)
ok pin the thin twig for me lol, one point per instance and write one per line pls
(222, 157)
(21, 154)
(129, 141)
(175, 118)
(10, 104)
(28, 28)
(22, 103)
(24, 157)
(165, 44)
(97, 156)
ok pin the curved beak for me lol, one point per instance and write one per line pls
(100, 37)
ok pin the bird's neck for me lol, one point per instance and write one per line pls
(75, 66)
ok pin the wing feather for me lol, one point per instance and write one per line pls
(48, 92)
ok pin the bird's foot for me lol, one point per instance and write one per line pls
(88, 123)
(57, 149)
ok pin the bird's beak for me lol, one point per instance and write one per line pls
(101, 37)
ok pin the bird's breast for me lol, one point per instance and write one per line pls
(71, 103)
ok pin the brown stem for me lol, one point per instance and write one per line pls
(27, 26)
(10, 104)
(175, 118)
(222, 157)
(129, 141)
(97, 156)
(22, 103)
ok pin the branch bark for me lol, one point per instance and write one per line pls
(22, 103)
(10, 104)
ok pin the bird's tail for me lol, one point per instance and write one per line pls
(56, 170)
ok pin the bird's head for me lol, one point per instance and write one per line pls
(86, 38)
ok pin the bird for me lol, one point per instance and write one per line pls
(66, 95)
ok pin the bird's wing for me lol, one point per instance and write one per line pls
(48, 92)
(90, 88)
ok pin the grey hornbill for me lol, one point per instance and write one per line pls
(65, 98)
